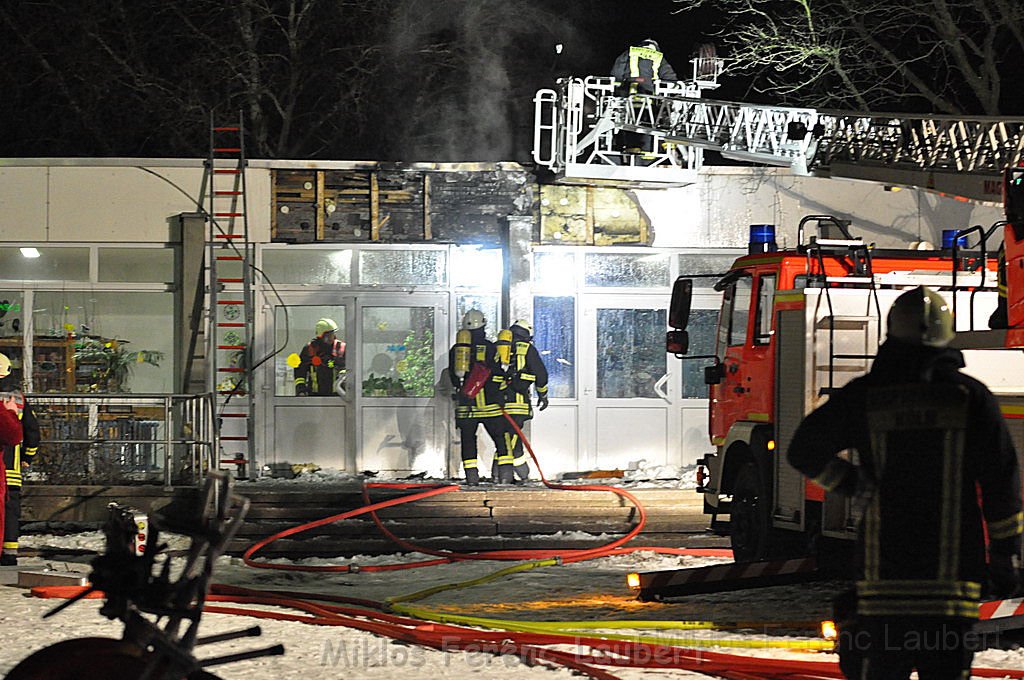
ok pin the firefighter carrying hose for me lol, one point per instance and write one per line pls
(524, 370)
(16, 457)
(321, 366)
(479, 393)
(934, 467)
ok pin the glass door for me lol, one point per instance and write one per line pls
(399, 386)
(312, 423)
(629, 403)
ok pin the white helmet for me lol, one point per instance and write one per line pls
(5, 366)
(525, 325)
(325, 325)
(473, 320)
(921, 317)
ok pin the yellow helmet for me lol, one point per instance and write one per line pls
(5, 366)
(325, 325)
(921, 317)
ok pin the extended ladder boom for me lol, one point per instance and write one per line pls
(579, 129)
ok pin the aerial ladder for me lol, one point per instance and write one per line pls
(577, 126)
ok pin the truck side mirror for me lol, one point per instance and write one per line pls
(714, 374)
(677, 342)
(679, 308)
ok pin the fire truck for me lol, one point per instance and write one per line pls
(795, 325)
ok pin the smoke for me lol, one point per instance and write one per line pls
(462, 70)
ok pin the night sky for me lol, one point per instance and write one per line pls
(404, 80)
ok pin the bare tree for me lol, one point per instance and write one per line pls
(946, 56)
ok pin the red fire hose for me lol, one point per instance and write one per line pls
(447, 556)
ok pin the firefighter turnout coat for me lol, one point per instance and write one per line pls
(319, 365)
(527, 370)
(16, 453)
(488, 401)
(929, 439)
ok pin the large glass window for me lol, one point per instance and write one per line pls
(300, 265)
(138, 265)
(294, 328)
(554, 322)
(488, 304)
(702, 327)
(554, 272)
(480, 268)
(398, 352)
(630, 352)
(402, 267)
(102, 342)
(12, 322)
(701, 263)
(627, 270)
(44, 264)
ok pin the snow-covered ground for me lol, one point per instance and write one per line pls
(593, 591)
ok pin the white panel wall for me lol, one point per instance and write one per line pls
(23, 204)
(120, 202)
(717, 211)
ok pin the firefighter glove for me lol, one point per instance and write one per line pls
(1004, 571)
(542, 402)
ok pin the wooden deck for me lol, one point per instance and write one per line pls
(468, 520)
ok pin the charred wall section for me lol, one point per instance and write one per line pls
(455, 203)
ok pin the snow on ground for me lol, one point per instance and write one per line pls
(593, 590)
(638, 475)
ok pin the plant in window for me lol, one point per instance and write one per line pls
(111, 364)
(417, 368)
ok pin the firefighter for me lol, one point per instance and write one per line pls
(641, 66)
(10, 435)
(933, 466)
(321, 362)
(479, 394)
(16, 457)
(524, 372)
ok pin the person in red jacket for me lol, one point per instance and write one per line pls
(10, 435)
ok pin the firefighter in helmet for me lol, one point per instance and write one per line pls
(479, 393)
(641, 66)
(934, 467)
(524, 371)
(321, 366)
(16, 458)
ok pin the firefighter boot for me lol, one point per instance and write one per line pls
(523, 472)
(472, 476)
(505, 474)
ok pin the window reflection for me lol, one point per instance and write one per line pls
(294, 328)
(630, 352)
(702, 327)
(402, 267)
(626, 270)
(398, 352)
(554, 320)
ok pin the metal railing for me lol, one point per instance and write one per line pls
(124, 438)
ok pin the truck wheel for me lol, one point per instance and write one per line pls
(749, 520)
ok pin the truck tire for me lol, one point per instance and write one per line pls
(750, 515)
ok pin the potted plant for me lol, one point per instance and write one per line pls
(112, 364)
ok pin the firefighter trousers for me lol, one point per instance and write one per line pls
(519, 459)
(889, 648)
(468, 448)
(12, 516)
